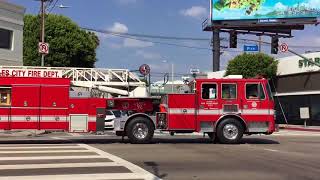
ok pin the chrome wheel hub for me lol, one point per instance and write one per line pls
(140, 131)
(230, 131)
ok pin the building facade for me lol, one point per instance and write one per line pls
(298, 90)
(11, 34)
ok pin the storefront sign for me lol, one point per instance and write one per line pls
(304, 63)
(30, 73)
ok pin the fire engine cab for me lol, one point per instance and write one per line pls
(46, 99)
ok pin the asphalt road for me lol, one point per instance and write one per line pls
(285, 155)
(260, 157)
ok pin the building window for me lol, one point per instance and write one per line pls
(6, 39)
(209, 91)
(5, 96)
(255, 91)
(229, 91)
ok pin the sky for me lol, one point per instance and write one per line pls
(177, 18)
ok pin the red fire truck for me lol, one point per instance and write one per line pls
(223, 108)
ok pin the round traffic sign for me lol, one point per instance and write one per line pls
(144, 69)
(284, 47)
(43, 48)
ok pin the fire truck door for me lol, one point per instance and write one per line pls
(254, 100)
(230, 98)
(208, 102)
(5, 107)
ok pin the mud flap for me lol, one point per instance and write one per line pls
(101, 114)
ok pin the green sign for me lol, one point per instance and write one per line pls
(304, 63)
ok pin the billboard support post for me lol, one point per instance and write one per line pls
(216, 49)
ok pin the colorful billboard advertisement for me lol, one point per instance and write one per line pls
(264, 9)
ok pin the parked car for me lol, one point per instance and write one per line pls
(109, 120)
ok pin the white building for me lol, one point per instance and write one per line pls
(11, 34)
(297, 86)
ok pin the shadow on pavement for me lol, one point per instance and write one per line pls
(155, 169)
(126, 141)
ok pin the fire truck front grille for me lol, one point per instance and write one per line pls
(228, 108)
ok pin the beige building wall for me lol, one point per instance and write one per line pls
(11, 19)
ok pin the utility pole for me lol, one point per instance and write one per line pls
(42, 28)
(216, 49)
(172, 77)
(260, 44)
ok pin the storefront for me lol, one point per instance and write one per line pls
(298, 90)
(11, 34)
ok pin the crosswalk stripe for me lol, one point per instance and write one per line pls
(48, 157)
(44, 152)
(113, 176)
(37, 147)
(58, 165)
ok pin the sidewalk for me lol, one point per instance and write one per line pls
(299, 127)
(19, 133)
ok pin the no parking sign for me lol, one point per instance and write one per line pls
(43, 48)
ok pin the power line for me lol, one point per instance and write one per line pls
(147, 36)
(54, 5)
(145, 40)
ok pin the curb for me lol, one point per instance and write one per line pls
(28, 133)
(297, 128)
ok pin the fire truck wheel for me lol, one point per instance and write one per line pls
(230, 131)
(140, 131)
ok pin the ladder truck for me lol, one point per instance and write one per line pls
(77, 99)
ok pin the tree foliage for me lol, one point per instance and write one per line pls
(251, 65)
(70, 46)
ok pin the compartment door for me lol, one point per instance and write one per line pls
(78, 123)
(181, 113)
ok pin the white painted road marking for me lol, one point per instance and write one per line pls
(133, 171)
(45, 152)
(272, 150)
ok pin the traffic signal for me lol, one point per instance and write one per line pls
(274, 45)
(233, 39)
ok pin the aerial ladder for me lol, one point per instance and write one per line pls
(102, 81)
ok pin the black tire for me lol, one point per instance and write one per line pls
(230, 131)
(211, 135)
(135, 135)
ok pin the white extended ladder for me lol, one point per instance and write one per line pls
(113, 81)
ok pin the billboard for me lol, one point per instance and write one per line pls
(263, 9)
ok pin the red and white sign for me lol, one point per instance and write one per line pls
(144, 69)
(284, 47)
(39, 73)
(43, 48)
